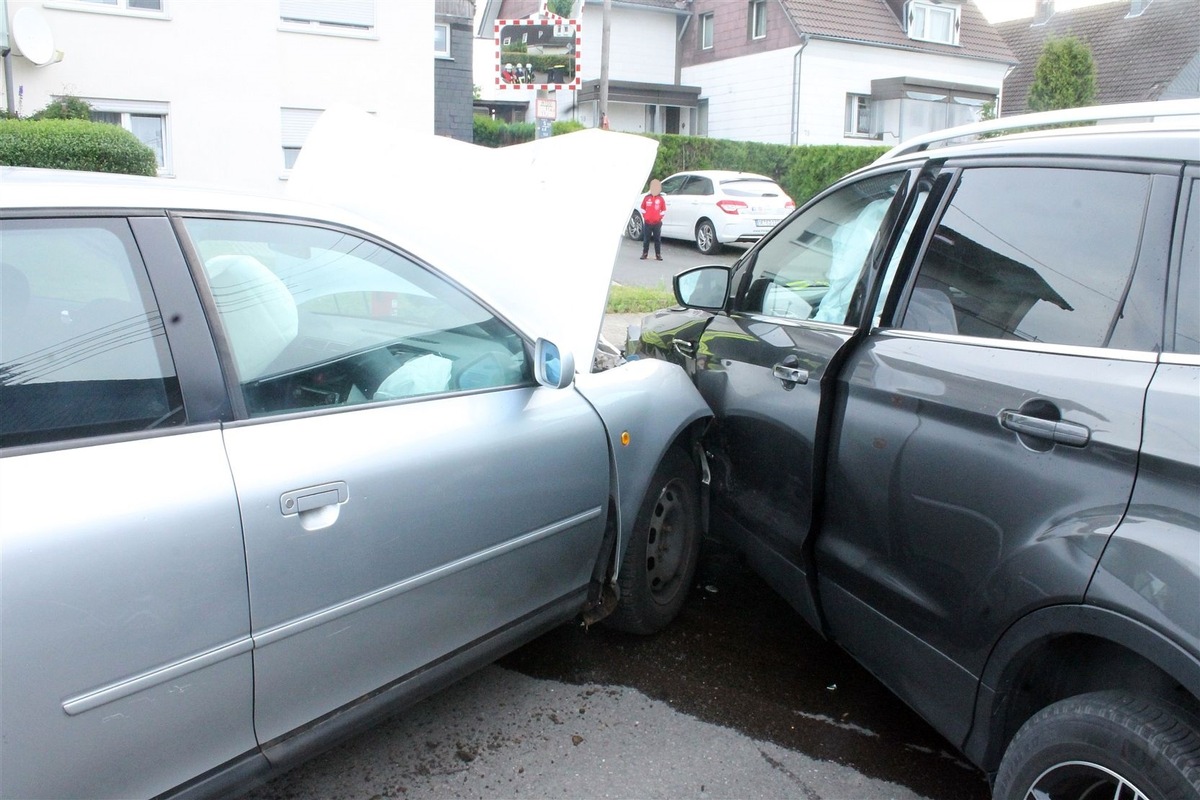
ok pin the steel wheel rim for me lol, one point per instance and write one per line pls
(1082, 780)
(666, 542)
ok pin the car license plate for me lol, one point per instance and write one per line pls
(765, 223)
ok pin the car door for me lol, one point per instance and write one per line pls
(675, 219)
(125, 664)
(766, 369)
(1150, 568)
(692, 203)
(985, 443)
(407, 491)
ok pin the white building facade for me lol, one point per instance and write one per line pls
(744, 99)
(225, 91)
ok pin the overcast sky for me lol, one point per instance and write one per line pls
(1000, 10)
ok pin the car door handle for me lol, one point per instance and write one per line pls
(790, 372)
(684, 348)
(1057, 431)
(298, 501)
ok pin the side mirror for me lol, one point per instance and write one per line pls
(551, 366)
(706, 288)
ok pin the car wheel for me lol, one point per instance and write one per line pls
(1110, 745)
(706, 238)
(660, 561)
(634, 229)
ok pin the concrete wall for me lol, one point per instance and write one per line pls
(641, 44)
(223, 70)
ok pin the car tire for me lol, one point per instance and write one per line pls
(706, 238)
(660, 561)
(633, 229)
(1142, 748)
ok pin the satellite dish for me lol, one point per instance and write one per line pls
(31, 34)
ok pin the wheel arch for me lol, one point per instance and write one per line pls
(1062, 651)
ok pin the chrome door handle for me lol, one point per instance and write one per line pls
(683, 348)
(1057, 431)
(790, 372)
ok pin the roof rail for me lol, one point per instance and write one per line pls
(1061, 117)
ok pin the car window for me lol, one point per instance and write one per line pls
(697, 186)
(83, 351)
(810, 268)
(1187, 311)
(751, 188)
(1032, 254)
(314, 317)
(673, 184)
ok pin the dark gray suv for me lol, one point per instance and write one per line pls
(958, 428)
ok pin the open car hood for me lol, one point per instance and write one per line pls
(533, 229)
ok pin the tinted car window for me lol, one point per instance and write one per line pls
(316, 317)
(698, 186)
(1033, 254)
(751, 188)
(1187, 314)
(83, 350)
(672, 185)
(810, 268)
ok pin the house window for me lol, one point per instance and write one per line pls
(350, 15)
(706, 31)
(758, 19)
(146, 121)
(295, 123)
(858, 115)
(932, 22)
(138, 7)
(441, 41)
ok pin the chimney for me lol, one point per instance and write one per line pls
(1044, 10)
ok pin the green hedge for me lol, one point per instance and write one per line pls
(495, 133)
(74, 144)
(802, 170)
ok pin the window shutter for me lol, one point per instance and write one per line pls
(295, 123)
(358, 13)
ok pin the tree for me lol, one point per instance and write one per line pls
(1065, 76)
(560, 7)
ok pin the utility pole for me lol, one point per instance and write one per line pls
(604, 36)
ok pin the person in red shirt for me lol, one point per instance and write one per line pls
(654, 205)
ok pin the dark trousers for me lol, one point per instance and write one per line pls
(652, 231)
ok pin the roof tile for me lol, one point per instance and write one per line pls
(1136, 57)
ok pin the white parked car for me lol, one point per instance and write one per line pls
(716, 207)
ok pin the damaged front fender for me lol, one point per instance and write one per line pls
(647, 407)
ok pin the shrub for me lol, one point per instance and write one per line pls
(802, 171)
(66, 107)
(495, 133)
(74, 144)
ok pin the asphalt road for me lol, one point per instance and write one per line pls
(736, 699)
(630, 270)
